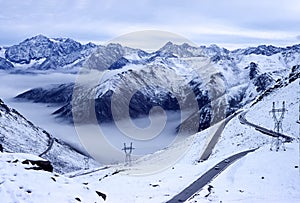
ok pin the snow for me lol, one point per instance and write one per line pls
(243, 182)
(18, 184)
(262, 176)
(20, 135)
(32, 63)
(290, 95)
(2, 52)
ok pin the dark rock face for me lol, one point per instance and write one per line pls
(295, 73)
(260, 50)
(184, 50)
(34, 48)
(253, 70)
(5, 65)
(263, 50)
(104, 57)
(140, 105)
(56, 94)
(119, 63)
(262, 82)
(40, 165)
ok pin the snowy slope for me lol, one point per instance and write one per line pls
(264, 176)
(20, 135)
(18, 184)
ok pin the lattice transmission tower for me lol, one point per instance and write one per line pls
(278, 115)
(128, 151)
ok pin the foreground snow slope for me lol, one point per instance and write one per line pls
(17, 184)
(263, 176)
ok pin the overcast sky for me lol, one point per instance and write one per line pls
(228, 23)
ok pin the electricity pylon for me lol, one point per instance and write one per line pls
(278, 125)
(128, 151)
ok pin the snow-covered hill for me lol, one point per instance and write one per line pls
(20, 135)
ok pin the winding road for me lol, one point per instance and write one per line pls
(266, 131)
(215, 137)
(221, 166)
(207, 177)
(51, 141)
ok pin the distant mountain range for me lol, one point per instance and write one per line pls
(42, 53)
(219, 81)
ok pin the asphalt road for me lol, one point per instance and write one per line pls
(207, 177)
(51, 141)
(215, 138)
(263, 130)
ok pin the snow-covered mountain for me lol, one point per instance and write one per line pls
(5, 64)
(171, 78)
(20, 135)
(42, 53)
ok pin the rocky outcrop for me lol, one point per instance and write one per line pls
(39, 165)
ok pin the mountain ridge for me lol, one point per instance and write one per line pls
(43, 53)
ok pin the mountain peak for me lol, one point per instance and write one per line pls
(183, 50)
(38, 37)
(167, 45)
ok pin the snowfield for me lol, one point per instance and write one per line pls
(262, 176)
(17, 184)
